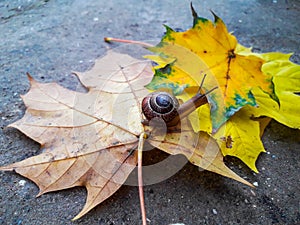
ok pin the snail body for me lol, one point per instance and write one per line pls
(166, 106)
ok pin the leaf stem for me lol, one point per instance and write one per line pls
(111, 39)
(140, 176)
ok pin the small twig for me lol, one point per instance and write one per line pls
(111, 39)
(140, 177)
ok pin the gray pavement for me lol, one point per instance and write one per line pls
(50, 39)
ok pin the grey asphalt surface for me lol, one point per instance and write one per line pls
(51, 38)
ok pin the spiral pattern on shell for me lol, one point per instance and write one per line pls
(162, 105)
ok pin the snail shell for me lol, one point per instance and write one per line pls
(162, 105)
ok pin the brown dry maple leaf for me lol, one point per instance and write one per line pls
(89, 139)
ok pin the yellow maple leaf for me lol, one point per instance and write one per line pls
(251, 85)
(208, 49)
(240, 135)
(286, 80)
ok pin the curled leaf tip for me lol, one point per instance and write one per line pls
(194, 13)
(215, 16)
(29, 76)
(168, 29)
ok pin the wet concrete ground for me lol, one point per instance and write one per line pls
(51, 38)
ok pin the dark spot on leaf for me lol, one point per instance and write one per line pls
(179, 29)
(297, 93)
(204, 51)
(251, 96)
(229, 142)
(165, 70)
(231, 54)
(51, 159)
(154, 63)
(58, 114)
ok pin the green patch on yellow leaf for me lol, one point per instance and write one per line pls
(239, 136)
(163, 80)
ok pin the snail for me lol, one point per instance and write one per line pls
(166, 106)
(163, 105)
